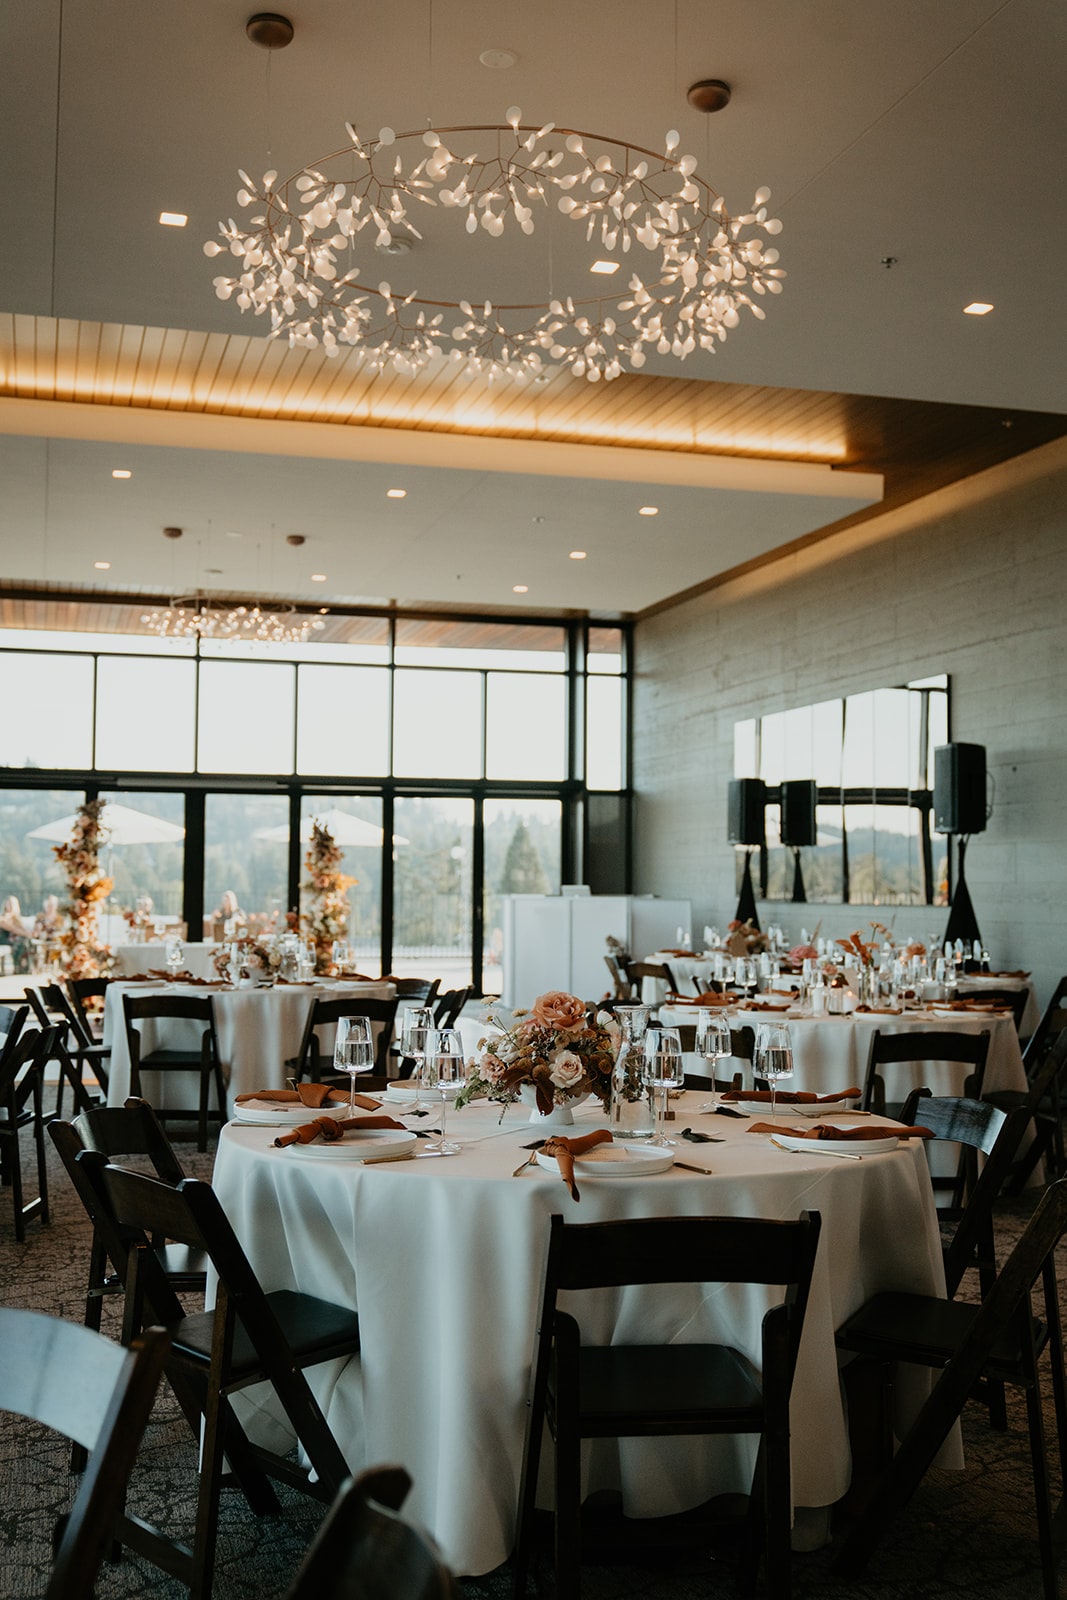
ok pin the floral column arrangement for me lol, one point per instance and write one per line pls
(81, 953)
(326, 898)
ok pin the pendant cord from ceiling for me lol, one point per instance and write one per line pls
(429, 62)
(270, 139)
(55, 168)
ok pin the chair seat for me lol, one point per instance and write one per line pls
(920, 1329)
(643, 1389)
(313, 1329)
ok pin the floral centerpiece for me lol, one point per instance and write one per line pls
(553, 1050)
(247, 958)
(325, 895)
(88, 886)
(745, 939)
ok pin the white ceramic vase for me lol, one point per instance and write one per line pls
(561, 1116)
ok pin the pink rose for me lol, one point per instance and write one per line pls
(803, 952)
(557, 1009)
(567, 1070)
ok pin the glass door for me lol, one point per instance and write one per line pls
(433, 840)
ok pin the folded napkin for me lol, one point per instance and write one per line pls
(825, 1131)
(880, 1011)
(330, 1129)
(791, 1097)
(312, 1095)
(972, 1003)
(565, 1150)
(761, 1005)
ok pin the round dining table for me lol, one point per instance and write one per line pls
(443, 1258)
(258, 1031)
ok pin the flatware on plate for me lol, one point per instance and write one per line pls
(819, 1147)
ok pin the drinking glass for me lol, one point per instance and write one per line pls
(340, 955)
(444, 1069)
(353, 1052)
(175, 956)
(745, 975)
(414, 1035)
(664, 1070)
(713, 1043)
(774, 1056)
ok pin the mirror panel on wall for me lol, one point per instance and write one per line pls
(871, 756)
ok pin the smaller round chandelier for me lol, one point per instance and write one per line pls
(197, 615)
(292, 260)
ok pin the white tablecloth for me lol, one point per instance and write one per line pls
(447, 1256)
(131, 958)
(258, 1031)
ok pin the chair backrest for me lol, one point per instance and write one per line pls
(420, 989)
(1014, 999)
(1053, 1021)
(97, 1394)
(621, 985)
(82, 990)
(449, 1005)
(174, 1007)
(22, 1062)
(743, 1043)
(365, 1551)
(637, 970)
(12, 1022)
(327, 1014)
(886, 1049)
(980, 1129)
(132, 1129)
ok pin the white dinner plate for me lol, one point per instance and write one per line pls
(848, 1147)
(280, 1111)
(979, 1010)
(806, 1108)
(406, 1092)
(364, 1146)
(609, 1161)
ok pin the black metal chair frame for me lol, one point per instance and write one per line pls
(22, 1063)
(205, 1061)
(584, 1391)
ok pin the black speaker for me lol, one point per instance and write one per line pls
(798, 811)
(746, 802)
(959, 788)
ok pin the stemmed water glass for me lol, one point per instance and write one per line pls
(745, 975)
(353, 1052)
(713, 1043)
(774, 1056)
(664, 1070)
(444, 1069)
(175, 956)
(414, 1035)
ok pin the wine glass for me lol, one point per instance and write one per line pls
(663, 1071)
(745, 975)
(340, 956)
(415, 1032)
(444, 1069)
(353, 1052)
(175, 956)
(774, 1056)
(713, 1043)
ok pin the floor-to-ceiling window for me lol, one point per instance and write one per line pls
(451, 758)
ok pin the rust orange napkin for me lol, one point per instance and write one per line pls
(564, 1151)
(826, 1131)
(792, 1097)
(312, 1095)
(330, 1129)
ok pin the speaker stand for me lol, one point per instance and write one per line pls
(798, 879)
(746, 905)
(962, 922)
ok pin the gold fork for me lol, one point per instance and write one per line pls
(530, 1159)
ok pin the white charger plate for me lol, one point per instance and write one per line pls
(272, 1112)
(640, 1161)
(848, 1147)
(806, 1108)
(406, 1092)
(363, 1146)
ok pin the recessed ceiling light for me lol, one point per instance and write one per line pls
(173, 219)
(102, 566)
(500, 59)
(648, 511)
(121, 472)
(977, 308)
(395, 494)
(318, 577)
(231, 535)
(520, 588)
(606, 267)
(577, 555)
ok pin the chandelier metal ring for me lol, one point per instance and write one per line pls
(709, 264)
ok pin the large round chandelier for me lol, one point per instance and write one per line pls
(200, 616)
(295, 259)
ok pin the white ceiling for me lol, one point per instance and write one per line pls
(930, 133)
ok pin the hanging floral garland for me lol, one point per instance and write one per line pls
(81, 954)
(327, 910)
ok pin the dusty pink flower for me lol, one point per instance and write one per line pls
(557, 1009)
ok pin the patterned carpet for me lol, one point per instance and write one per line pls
(968, 1533)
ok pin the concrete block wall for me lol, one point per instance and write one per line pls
(971, 581)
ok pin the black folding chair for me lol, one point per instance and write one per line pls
(99, 1396)
(251, 1336)
(314, 1063)
(642, 1391)
(22, 1063)
(893, 1049)
(197, 1010)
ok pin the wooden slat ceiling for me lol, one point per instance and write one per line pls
(43, 358)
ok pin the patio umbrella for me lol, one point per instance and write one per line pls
(125, 825)
(346, 830)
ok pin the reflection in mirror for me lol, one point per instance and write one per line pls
(871, 755)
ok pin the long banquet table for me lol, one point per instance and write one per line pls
(258, 1031)
(443, 1258)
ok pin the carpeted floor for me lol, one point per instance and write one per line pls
(965, 1534)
